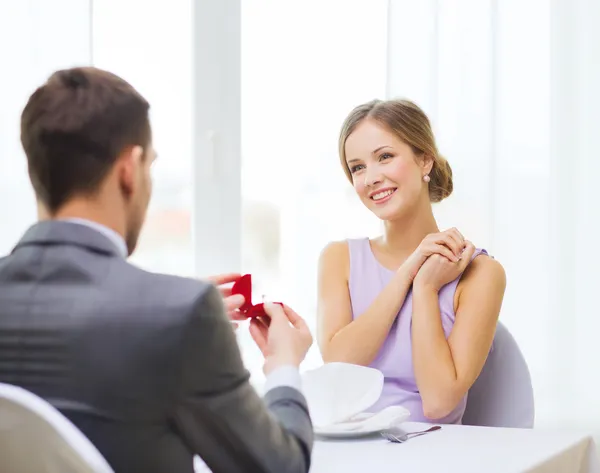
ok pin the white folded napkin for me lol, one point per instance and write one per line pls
(368, 422)
(335, 392)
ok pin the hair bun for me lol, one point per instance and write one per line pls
(441, 184)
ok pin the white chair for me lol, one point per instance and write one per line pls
(37, 438)
(502, 395)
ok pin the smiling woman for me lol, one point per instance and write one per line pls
(418, 304)
(411, 134)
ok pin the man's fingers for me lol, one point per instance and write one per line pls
(233, 302)
(236, 315)
(285, 314)
(259, 334)
(294, 318)
(275, 311)
(264, 321)
(226, 278)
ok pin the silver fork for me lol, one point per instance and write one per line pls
(397, 435)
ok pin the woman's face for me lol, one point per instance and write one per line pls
(386, 174)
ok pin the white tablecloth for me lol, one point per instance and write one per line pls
(461, 449)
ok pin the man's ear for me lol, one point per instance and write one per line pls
(130, 161)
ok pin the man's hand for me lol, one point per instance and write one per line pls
(283, 337)
(232, 302)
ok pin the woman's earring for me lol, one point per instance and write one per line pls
(426, 178)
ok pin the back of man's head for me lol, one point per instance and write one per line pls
(73, 129)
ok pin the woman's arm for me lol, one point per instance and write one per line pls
(339, 337)
(358, 341)
(446, 369)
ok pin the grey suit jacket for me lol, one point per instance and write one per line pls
(146, 365)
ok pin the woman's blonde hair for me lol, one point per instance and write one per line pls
(409, 123)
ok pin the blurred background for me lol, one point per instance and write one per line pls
(247, 100)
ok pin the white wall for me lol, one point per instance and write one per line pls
(575, 215)
(37, 37)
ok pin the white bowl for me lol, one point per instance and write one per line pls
(337, 391)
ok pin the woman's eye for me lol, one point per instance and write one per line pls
(385, 156)
(356, 168)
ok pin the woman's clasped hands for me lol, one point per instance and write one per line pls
(439, 259)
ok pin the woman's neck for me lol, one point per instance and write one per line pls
(402, 236)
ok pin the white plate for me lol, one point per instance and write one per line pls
(365, 423)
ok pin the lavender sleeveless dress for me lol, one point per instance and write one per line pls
(367, 279)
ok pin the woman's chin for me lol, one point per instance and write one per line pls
(389, 213)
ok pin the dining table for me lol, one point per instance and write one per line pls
(460, 449)
(457, 449)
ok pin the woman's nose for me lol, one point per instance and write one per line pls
(372, 177)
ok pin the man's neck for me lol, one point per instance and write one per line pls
(108, 220)
(89, 210)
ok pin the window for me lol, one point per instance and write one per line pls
(512, 105)
(150, 45)
(305, 65)
(36, 39)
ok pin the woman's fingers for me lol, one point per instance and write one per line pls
(458, 240)
(443, 250)
(467, 255)
(452, 239)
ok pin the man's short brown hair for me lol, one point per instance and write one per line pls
(74, 127)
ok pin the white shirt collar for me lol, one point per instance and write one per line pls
(109, 233)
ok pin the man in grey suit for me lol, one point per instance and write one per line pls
(145, 364)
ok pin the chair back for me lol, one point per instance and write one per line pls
(37, 438)
(502, 395)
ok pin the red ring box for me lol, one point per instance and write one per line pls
(243, 286)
